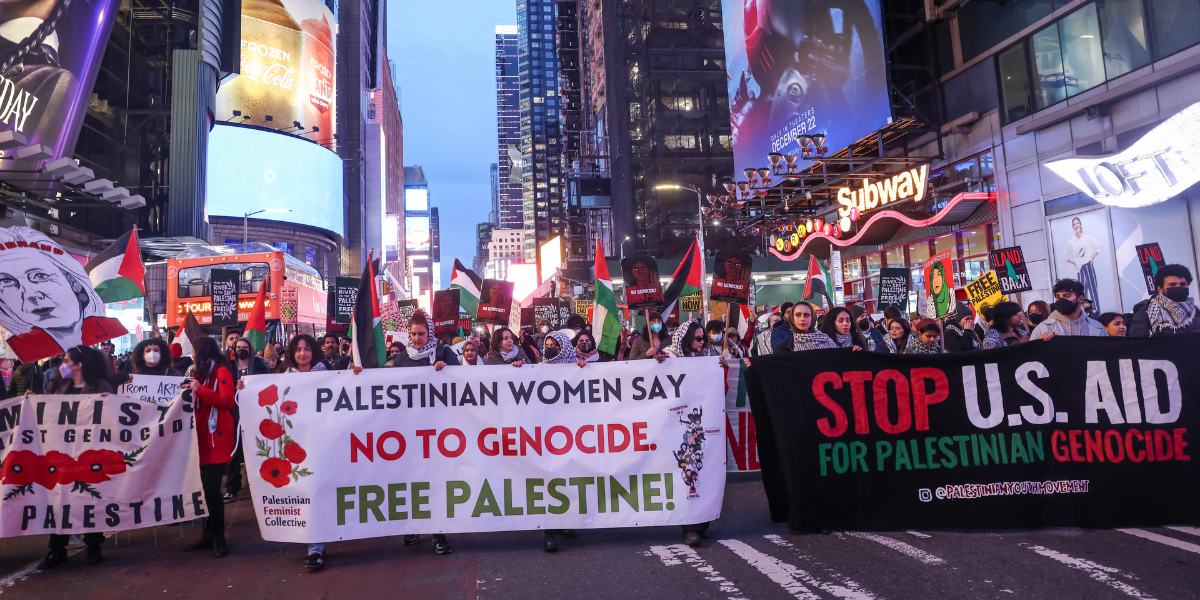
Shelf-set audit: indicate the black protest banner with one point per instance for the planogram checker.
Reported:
(642, 287)
(547, 308)
(342, 298)
(1150, 256)
(527, 320)
(224, 296)
(893, 288)
(731, 277)
(1090, 432)
(445, 314)
(407, 308)
(495, 302)
(1009, 265)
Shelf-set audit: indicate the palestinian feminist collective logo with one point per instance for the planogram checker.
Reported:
(283, 455)
(690, 455)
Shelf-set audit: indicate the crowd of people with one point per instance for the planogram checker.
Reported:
(213, 371)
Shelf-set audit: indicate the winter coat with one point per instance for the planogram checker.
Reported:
(1140, 327)
(1058, 324)
(217, 391)
(441, 353)
(958, 340)
(876, 337)
(22, 379)
(63, 386)
(495, 358)
(257, 366)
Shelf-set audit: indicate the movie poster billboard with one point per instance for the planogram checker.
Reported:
(642, 287)
(45, 84)
(731, 277)
(795, 70)
(287, 67)
(445, 314)
(495, 302)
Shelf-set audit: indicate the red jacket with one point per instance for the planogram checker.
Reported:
(217, 391)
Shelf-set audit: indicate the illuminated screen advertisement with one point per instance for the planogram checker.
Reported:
(416, 234)
(44, 94)
(416, 199)
(251, 170)
(287, 67)
(794, 69)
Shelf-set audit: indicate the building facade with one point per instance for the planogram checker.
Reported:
(541, 143)
(507, 247)
(508, 203)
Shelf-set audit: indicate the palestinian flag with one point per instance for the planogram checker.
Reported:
(117, 272)
(686, 280)
(256, 326)
(469, 283)
(367, 345)
(744, 323)
(818, 281)
(606, 328)
(190, 330)
(735, 384)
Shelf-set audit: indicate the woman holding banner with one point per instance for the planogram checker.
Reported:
(801, 319)
(557, 350)
(899, 334)
(839, 326)
(153, 357)
(585, 346)
(1005, 326)
(505, 350)
(212, 386)
(470, 354)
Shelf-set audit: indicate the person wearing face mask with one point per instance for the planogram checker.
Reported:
(960, 335)
(1171, 310)
(862, 322)
(153, 357)
(1068, 317)
(585, 347)
(244, 363)
(1035, 313)
(213, 391)
(539, 335)
(652, 341)
(558, 350)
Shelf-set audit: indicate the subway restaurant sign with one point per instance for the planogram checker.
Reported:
(338, 456)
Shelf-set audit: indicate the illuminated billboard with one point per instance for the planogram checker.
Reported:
(251, 170)
(416, 234)
(795, 70)
(45, 85)
(287, 67)
(416, 199)
(551, 258)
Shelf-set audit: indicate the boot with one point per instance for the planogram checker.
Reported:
(551, 543)
(440, 545)
(205, 541)
(55, 557)
(220, 548)
(569, 533)
(94, 556)
(410, 539)
(692, 539)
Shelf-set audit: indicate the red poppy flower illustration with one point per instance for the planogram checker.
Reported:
(269, 396)
(288, 408)
(294, 453)
(270, 429)
(95, 466)
(21, 467)
(56, 468)
(276, 471)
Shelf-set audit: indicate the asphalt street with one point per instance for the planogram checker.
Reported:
(745, 557)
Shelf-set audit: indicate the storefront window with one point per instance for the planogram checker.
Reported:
(918, 253)
(994, 228)
(873, 263)
(986, 168)
(973, 241)
(874, 287)
(851, 268)
(918, 283)
(943, 243)
(1123, 35)
(1014, 84)
(894, 257)
(1176, 25)
(1050, 87)
(1083, 61)
(965, 169)
(972, 269)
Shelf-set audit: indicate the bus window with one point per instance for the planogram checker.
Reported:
(194, 281)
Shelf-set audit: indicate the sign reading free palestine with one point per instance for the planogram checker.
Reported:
(492, 448)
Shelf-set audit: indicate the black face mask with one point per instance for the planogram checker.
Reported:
(550, 353)
(864, 325)
(1177, 294)
(585, 347)
(1064, 306)
(1036, 318)
(243, 354)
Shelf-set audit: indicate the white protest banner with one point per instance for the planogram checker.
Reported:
(152, 388)
(337, 456)
(81, 464)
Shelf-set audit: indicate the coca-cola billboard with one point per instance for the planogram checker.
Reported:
(287, 68)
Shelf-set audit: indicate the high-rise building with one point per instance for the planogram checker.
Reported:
(419, 234)
(494, 177)
(541, 147)
(483, 235)
(508, 202)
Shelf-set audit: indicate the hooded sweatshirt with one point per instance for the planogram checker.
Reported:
(1058, 324)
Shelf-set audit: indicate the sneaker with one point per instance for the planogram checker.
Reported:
(53, 559)
(313, 562)
(440, 545)
(692, 539)
(410, 539)
(230, 498)
(94, 556)
(551, 542)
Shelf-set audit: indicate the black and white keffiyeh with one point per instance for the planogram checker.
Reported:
(811, 341)
(992, 339)
(1166, 313)
(566, 354)
(843, 340)
(916, 346)
(422, 353)
(511, 354)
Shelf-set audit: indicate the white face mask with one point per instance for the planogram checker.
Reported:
(64, 370)
(152, 357)
(545, 329)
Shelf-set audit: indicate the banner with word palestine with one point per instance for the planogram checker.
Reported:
(83, 464)
(1091, 432)
(399, 451)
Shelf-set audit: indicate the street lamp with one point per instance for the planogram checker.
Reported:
(246, 220)
(699, 202)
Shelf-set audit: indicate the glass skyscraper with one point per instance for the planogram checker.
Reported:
(541, 147)
(509, 204)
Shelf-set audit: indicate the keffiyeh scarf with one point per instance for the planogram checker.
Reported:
(1165, 313)
(811, 341)
(511, 354)
(992, 339)
(843, 340)
(916, 346)
(566, 354)
(592, 356)
(422, 353)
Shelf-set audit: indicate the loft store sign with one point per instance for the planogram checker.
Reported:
(905, 185)
(1155, 168)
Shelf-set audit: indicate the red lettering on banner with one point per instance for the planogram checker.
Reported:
(858, 397)
(494, 449)
(357, 446)
(1119, 454)
(534, 442)
(508, 437)
(550, 440)
(903, 412)
(639, 438)
(579, 439)
(737, 443)
(384, 454)
(613, 446)
(1138, 456)
(1115, 446)
(922, 397)
(1180, 444)
(1055, 447)
(1076, 445)
(839, 415)
(425, 434)
(1162, 445)
(1093, 447)
(462, 444)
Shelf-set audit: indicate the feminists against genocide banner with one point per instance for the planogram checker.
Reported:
(83, 464)
(1092, 432)
(399, 451)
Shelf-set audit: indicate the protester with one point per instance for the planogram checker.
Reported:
(899, 334)
(470, 355)
(1035, 313)
(729, 346)
(505, 350)
(1169, 311)
(688, 341)
(927, 340)
(181, 362)
(84, 370)
(959, 335)
(334, 360)
(1068, 317)
(839, 326)
(245, 363)
(529, 345)
(862, 321)
(575, 324)
(300, 356)
(271, 355)
(23, 378)
(652, 341)
(558, 350)
(153, 357)
(212, 385)
(782, 332)
(1004, 327)
(804, 335)
(585, 346)
(1114, 324)
(543, 329)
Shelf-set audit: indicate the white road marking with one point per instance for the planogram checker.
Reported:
(1096, 571)
(918, 534)
(899, 546)
(1190, 530)
(1162, 539)
(845, 581)
(669, 555)
(792, 578)
(30, 569)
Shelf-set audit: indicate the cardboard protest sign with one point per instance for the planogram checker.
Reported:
(1009, 265)
(731, 277)
(939, 286)
(342, 297)
(223, 289)
(528, 321)
(495, 302)
(406, 308)
(893, 288)
(985, 292)
(156, 389)
(71, 314)
(642, 287)
(547, 308)
(1150, 256)
(445, 314)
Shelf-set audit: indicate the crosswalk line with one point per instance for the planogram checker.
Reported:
(899, 546)
(918, 534)
(1098, 572)
(1162, 539)
(678, 553)
(845, 581)
(793, 579)
(1188, 530)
